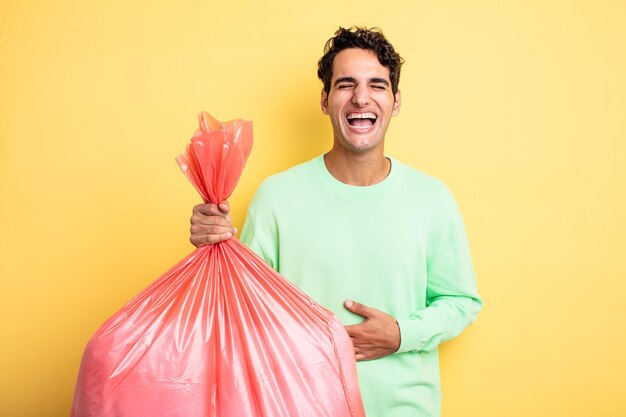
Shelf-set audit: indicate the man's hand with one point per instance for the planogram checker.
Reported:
(377, 336)
(210, 223)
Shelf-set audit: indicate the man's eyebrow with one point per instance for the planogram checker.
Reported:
(379, 81)
(345, 80)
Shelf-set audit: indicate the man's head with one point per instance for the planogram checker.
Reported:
(363, 38)
(360, 71)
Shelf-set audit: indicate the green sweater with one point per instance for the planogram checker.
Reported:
(398, 246)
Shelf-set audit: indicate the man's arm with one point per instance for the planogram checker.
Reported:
(452, 301)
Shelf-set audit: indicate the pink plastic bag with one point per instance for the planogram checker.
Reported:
(221, 333)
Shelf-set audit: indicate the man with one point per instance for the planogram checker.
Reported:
(380, 244)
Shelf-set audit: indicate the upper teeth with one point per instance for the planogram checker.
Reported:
(361, 116)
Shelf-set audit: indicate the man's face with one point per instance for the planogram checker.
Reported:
(360, 102)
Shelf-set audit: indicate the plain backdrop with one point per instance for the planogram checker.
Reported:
(519, 106)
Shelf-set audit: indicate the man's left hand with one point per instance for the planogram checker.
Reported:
(377, 336)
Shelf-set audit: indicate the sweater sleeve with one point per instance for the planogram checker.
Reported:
(452, 300)
(261, 236)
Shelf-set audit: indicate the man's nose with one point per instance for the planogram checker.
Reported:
(361, 95)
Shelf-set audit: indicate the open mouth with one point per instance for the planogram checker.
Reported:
(361, 120)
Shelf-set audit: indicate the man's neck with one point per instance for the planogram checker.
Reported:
(357, 169)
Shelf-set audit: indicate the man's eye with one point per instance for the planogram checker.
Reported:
(378, 86)
(344, 86)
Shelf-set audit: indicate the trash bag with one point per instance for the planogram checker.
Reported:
(221, 333)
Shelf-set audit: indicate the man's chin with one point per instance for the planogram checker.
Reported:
(361, 147)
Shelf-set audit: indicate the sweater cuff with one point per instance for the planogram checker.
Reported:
(413, 335)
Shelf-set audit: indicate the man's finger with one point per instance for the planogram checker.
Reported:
(202, 209)
(201, 220)
(203, 240)
(353, 331)
(211, 210)
(360, 309)
(211, 239)
(210, 229)
(224, 206)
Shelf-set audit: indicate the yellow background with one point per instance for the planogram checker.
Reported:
(519, 106)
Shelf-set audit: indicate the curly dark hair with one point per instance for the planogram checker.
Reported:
(360, 37)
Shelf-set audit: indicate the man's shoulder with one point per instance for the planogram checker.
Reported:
(419, 181)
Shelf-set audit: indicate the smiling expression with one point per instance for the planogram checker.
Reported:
(360, 102)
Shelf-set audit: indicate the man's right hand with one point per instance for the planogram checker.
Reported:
(210, 223)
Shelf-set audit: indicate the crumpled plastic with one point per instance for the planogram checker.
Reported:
(220, 333)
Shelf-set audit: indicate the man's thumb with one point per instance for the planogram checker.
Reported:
(356, 308)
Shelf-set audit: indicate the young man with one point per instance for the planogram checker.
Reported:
(380, 244)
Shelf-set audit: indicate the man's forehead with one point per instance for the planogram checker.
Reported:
(358, 64)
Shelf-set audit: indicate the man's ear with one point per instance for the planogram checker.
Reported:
(324, 101)
(396, 104)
